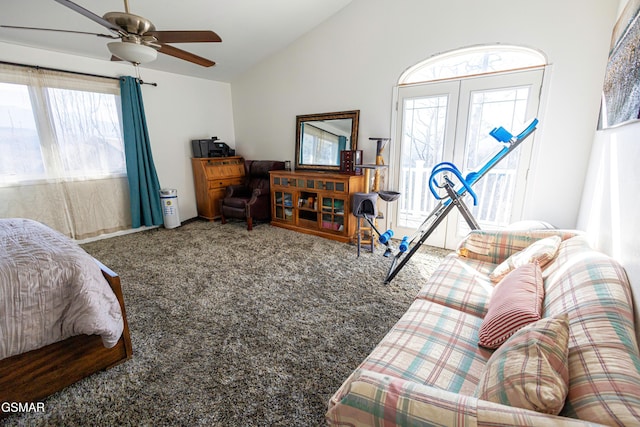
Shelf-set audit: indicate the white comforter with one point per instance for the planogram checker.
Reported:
(50, 289)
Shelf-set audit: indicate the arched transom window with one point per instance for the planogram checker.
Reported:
(473, 61)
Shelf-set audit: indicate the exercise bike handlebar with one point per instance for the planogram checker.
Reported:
(449, 167)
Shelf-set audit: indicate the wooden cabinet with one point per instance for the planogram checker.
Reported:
(211, 176)
(316, 203)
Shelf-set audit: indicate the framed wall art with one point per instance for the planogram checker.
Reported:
(621, 90)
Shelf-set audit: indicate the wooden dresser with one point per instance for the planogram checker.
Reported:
(316, 203)
(211, 176)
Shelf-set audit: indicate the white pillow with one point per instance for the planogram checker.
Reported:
(542, 251)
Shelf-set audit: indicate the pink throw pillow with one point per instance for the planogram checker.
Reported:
(516, 301)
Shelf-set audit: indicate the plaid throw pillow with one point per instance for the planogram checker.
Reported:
(516, 301)
(531, 369)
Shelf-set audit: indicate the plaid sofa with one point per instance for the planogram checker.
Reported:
(426, 369)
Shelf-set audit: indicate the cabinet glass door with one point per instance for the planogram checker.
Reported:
(332, 213)
(283, 205)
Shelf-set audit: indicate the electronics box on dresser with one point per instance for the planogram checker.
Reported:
(316, 203)
(211, 176)
(211, 148)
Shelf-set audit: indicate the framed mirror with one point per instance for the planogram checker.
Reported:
(321, 137)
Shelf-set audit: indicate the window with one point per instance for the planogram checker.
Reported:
(55, 126)
(473, 61)
(62, 161)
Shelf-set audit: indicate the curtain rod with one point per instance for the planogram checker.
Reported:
(37, 67)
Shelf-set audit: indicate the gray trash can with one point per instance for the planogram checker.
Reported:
(170, 213)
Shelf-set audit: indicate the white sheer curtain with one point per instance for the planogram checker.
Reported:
(62, 159)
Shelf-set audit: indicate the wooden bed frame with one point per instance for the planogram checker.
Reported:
(32, 376)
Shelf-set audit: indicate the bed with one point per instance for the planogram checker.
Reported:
(81, 334)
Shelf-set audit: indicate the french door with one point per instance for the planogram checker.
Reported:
(450, 121)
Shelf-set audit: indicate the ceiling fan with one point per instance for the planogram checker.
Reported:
(139, 40)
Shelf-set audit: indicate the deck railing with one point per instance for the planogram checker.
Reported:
(494, 191)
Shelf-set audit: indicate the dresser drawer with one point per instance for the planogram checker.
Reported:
(222, 183)
(216, 171)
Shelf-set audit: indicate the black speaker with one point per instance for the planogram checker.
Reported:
(199, 147)
(202, 147)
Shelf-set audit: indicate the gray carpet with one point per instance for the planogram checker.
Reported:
(236, 328)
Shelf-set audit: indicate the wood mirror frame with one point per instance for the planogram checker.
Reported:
(323, 122)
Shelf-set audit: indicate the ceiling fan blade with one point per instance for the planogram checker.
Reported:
(87, 13)
(185, 36)
(183, 54)
(115, 58)
(14, 27)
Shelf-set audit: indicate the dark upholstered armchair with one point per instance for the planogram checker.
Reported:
(251, 199)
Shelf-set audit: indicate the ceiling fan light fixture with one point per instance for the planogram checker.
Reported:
(133, 52)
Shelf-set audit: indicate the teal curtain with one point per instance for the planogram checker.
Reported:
(342, 145)
(144, 187)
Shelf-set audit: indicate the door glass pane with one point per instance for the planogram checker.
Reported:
(423, 136)
(507, 108)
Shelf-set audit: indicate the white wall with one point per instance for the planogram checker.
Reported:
(610, 204)
(354, 59)
(179, 109)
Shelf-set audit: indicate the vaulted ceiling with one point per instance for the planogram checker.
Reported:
(251, 30)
